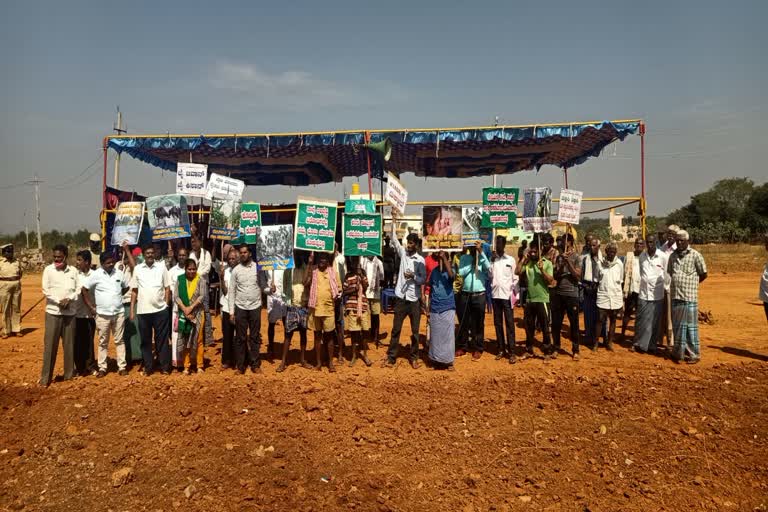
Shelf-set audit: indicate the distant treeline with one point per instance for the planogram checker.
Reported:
(50, 238)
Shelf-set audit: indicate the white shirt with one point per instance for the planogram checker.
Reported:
(341, 266)
(81, 309)
(374, 271)
(409, 289)
(173, 275)
(653, 275)
(503, 278)
(668, 249)
(610, 293)
(635, 286)
(151, 283)
(764, 285)
(107, 290)
(223, 302)
(204, 263)
(58, 285)
(278, 297)
(126, 270)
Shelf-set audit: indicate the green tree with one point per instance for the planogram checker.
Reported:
(755, 215)
(726, 200)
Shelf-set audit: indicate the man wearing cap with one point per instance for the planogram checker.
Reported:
(94, 243)
(10, 293)
(687, 269)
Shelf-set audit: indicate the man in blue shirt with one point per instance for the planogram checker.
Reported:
(411, 276)
(473, 268)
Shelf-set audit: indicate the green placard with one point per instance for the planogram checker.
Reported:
(250, 220)
(500, 207)
(362, 235)
(360, 206)
(315, 225)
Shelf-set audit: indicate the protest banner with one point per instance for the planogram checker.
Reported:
(396, 194)
(537, 209)
(360, 206)
(128, 220)
(250, 220)
(361, 235)
(274, 247)
(224, 187)
(569, 208)
(471, 227)
(168, 217)
(500, 207)
(442, 227)
(191, 179)
(224, 223)
(315, 228)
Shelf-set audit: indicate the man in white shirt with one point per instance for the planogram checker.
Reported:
(374, 271)
(244, 296)
(650, 301)
(85, 326)
(102, 294)
(151, 294)
(204, 263)
(610, 296)
(503, 289)
(668, 247)
(177, 353)
(227, 328)
(275, 289)
(60, 291)
(631, 284)
(410, 278)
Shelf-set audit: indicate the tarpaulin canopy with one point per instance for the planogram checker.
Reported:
(320, 157)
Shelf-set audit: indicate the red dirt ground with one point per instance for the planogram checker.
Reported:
(614, 431)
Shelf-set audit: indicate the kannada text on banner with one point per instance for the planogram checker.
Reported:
(442, 228)
(250, 220)
(500, 207)
(274, 247)
(362, 235)
(315, 228)
(569, 208)
(168, 217)
(224, 223)
(128, 220)
(191, 179)
(396, 194)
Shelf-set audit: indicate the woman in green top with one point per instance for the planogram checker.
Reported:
(192, 301)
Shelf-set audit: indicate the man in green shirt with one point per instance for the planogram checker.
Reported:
(538, 272)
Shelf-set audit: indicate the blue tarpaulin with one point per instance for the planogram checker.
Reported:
(308, 159)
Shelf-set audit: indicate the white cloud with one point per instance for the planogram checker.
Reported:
(298, 89)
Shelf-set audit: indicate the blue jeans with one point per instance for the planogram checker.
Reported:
(161, 325)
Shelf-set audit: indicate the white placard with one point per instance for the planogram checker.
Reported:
(396, 194)
(191, 179)
(569, 209)
(225, 188)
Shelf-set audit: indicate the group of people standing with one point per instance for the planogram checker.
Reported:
(166, 303)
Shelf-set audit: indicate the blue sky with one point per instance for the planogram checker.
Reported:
(695, 71)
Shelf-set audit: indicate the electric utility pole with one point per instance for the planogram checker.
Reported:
(118, 128)
(36, 182)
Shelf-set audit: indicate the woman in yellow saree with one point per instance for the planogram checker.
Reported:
(191, 299)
